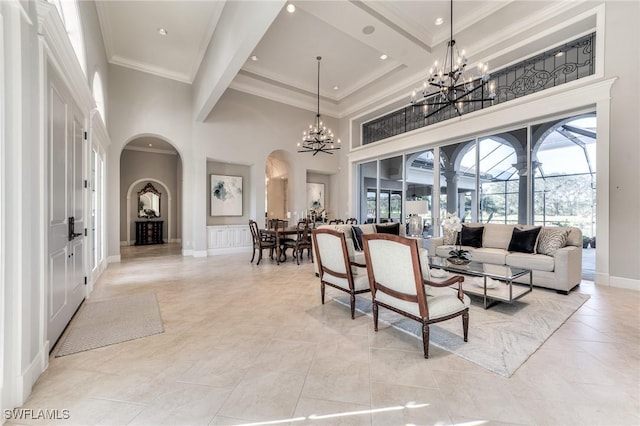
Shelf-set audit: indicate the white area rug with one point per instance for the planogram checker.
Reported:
(502, 337)
(111, 321)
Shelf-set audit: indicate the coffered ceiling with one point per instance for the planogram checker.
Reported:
(351, 36)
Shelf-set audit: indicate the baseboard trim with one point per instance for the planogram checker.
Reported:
(199, 253)
(114, 259)
(626, 283)
(36, 368)
(228, 250)
(187, 252)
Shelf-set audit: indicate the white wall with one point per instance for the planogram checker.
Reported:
(146, 105)
(622, 44)
(245, 129)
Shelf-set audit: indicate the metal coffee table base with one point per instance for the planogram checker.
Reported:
(505, 290)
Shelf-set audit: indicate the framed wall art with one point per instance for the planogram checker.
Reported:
(226, 195)
(315, 197)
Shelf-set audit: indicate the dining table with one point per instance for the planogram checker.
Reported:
(278, 234)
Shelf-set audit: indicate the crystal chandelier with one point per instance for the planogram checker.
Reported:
(448, 86)
(318, 138)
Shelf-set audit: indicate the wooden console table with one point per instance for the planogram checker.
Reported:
(149, 232)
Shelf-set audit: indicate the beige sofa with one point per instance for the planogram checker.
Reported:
(562, 271)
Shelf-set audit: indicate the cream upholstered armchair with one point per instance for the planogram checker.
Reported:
(337, 268)
(397, 275)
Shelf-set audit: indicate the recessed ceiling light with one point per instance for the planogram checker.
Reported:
(150, 144)
(439, 21)
(559, 54)
(383, 56)
(254, 58)
(336, 87)
(369, 29)
(162, 31)
(291, 8)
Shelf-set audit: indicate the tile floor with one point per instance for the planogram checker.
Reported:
(253, 344)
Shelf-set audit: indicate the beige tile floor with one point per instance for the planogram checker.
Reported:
(246, 343)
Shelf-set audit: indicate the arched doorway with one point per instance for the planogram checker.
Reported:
(150, 162)
(277, 186)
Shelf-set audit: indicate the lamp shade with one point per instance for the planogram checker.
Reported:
(415, 207)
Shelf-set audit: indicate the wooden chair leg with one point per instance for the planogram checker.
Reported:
(254, 254)
(375, 316)
(425, 339)
(465, 325)
(259, 256)
(322, 291)
(353, 306)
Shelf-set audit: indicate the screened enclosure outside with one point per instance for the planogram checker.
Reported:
(564, 185)
(486, 179)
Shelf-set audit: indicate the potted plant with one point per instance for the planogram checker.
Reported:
(585, 241)
(452, 225)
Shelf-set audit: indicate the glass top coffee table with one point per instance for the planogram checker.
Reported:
(495, 283)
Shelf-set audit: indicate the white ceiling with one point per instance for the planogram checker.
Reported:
(286, 69)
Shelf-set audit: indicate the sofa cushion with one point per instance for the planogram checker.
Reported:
(497, 235)
(551, 240)
(357, 237)
(524, 240)
(471, 236)
(443, 251)
(388, 228)
(538, 262)
(489, 255)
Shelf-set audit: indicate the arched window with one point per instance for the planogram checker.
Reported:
(98, 95)
(68, 10)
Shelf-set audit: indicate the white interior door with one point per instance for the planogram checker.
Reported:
(66, 219)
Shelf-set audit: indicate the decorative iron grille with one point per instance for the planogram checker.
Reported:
(554, 67)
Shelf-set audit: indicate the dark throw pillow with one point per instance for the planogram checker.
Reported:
(356, 234)
(524, 240)
(393, 228)
(471, 236)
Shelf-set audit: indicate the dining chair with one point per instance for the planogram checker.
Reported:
(336, 222)
(261, 241)
(283, 241)
(351, 221)
(303, 240)
(395, 271)
(337, 266)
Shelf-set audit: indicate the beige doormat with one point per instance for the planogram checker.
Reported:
(501, 338)
(112, 321)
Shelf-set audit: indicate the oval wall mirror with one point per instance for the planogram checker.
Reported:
(148, 202)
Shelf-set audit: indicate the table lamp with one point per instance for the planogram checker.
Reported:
(414, 210)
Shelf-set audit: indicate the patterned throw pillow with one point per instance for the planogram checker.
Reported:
(357, 237)
(550, 240)
(450, 237)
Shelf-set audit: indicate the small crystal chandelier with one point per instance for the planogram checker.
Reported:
(318, 138)
(447, 85)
